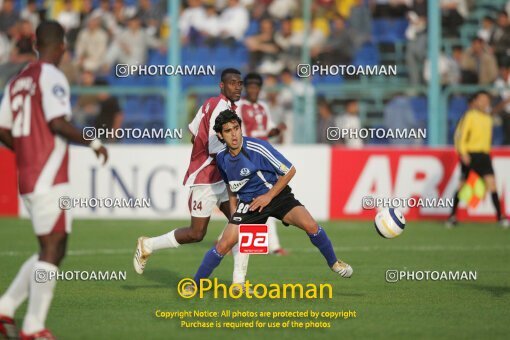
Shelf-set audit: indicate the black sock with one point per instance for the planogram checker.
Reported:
(495, 201)
(455, 204)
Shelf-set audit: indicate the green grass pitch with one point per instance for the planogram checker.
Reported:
(407, 309)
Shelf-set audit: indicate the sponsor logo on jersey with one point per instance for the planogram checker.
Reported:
(236, 185)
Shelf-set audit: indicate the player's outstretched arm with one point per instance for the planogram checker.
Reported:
(65, 129)
(6, 138)
(263, 200)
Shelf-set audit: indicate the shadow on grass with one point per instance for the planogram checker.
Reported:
(164, 277)
(495, 291)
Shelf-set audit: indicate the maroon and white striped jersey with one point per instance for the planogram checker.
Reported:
(38, 94)
(202, 168)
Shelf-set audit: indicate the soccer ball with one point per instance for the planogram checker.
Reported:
(389, 223)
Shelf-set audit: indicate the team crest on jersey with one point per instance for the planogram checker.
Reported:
(235, 186)
(59, 91)
(284, 168)
(245, 172)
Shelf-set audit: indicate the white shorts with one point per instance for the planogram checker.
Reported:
(203, 198)
(45, 212)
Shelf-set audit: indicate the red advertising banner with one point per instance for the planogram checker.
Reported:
(420, 182)
(8, 184)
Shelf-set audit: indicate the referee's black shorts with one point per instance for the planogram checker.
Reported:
(277, 208)
(480, 163)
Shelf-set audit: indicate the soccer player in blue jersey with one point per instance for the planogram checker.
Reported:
(257, 176)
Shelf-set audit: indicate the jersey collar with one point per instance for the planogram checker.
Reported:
(233, 106)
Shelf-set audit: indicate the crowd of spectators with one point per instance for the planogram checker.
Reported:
(102, 33)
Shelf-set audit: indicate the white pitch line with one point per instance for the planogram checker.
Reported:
(93, 252)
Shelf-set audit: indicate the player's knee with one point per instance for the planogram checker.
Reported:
(197, 235)
(223, 247)
(311, 227)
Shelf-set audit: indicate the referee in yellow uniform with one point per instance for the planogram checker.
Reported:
(473, 138)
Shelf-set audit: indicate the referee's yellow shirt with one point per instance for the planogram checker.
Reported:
(474, 133)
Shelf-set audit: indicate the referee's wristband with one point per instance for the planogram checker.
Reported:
(96, 144)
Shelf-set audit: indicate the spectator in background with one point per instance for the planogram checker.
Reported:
(122, 13)
(234, 22)
(281, 9)
(283, 39)
(416, 34)
(151, 16)
(86, 108)
(398, 114)
(360, 23)
(502, 84)
(390, 8)
(5, 48)
(91, 45)
(263, 49)
(488, 30)
(453, 13)
(325, 120)
(69, 68)
(8, 17)
(31, 13)
(110, 114)
(191, 21)
(457, 53)
(478, 63)
(107, 18)
(132, 44)
(68, 17)
(449, 70)
(350, 120)
(338, 47)
(22, 52)
(501, 41)
(210, 26)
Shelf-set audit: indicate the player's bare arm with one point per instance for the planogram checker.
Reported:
(262, 201)
(62, 127)
(6, 138)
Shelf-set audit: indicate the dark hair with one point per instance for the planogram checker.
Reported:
(488, 18)
(49, 33)
(227, 71)
(253, 78)
(225, 117)
(475, 95)
(503, 13)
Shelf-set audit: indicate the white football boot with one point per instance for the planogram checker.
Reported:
(342, 268)
(141, 256)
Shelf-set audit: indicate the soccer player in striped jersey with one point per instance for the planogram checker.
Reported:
(207, 189)
(34, 123)
(257, 177)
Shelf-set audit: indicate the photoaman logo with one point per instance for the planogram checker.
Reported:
(188, 288)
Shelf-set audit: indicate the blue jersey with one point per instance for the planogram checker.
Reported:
(254, 170)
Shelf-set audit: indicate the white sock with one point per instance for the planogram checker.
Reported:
(274, 241)
(161, 242)
(240, 265)
(17, 292)
(41, 294)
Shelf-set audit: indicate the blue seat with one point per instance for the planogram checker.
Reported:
(368, 54)
(456, 107)
(253, 28)
(389, 30)
(498, 135)
(420, 108)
